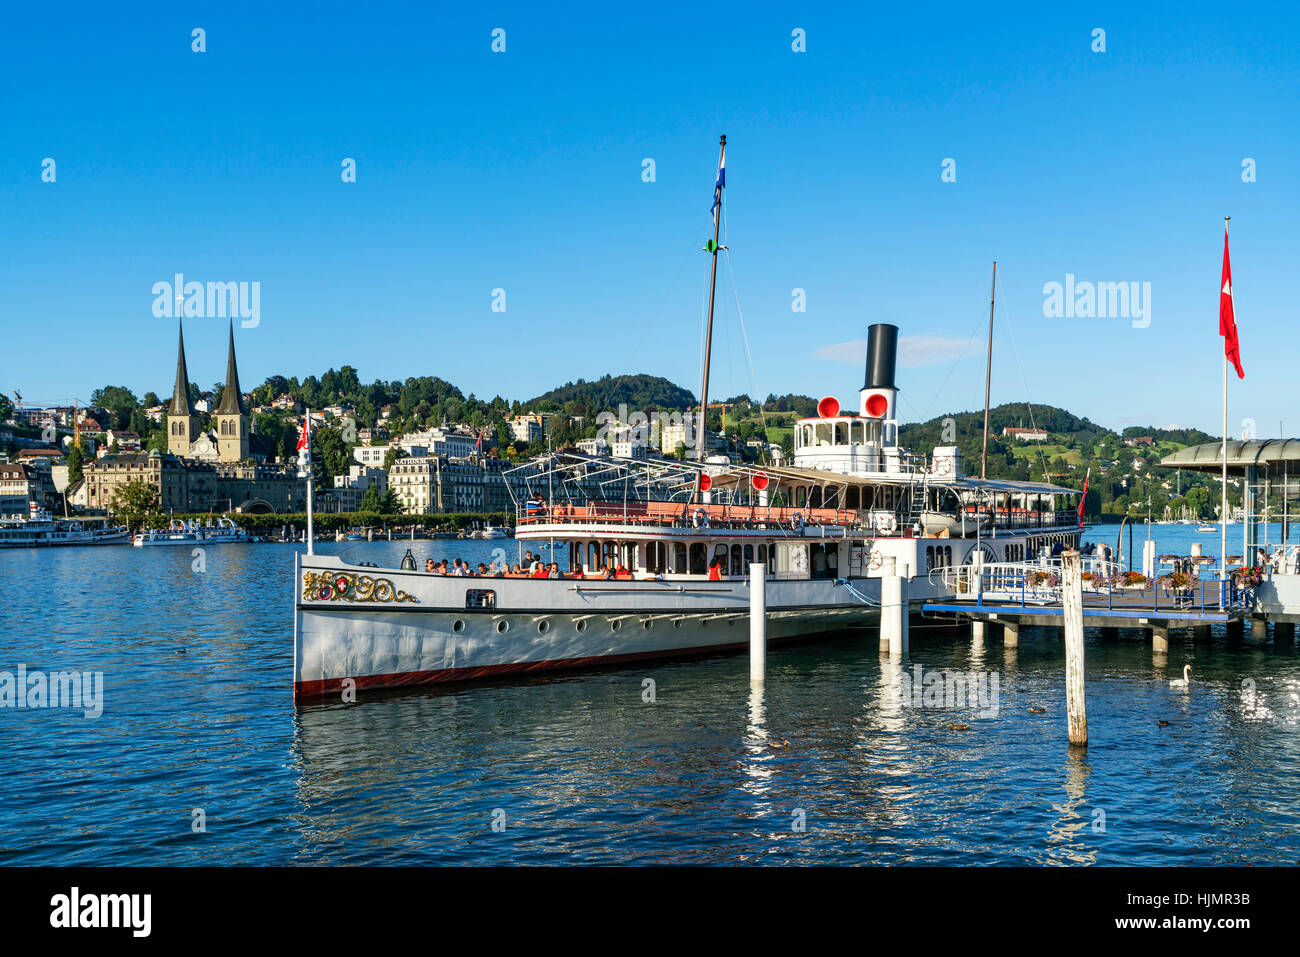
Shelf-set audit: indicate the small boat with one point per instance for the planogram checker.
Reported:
(1208, 528)
(487, 531)
(224, 531)
(937, 523)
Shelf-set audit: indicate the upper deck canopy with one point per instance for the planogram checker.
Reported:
(1241, 455)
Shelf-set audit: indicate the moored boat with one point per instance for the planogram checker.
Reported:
(39, 529)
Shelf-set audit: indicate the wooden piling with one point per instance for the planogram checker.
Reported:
(1258, 631)
(893, 614)
(757, 622)
(1072, 614)
(1160, 638)
(1010, 634)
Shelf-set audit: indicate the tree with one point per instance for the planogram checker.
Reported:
(75, 460)
(134, 502)
(118, 401)
(370, 501)
(389, 505)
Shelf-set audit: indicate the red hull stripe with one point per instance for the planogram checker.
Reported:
(329, 687)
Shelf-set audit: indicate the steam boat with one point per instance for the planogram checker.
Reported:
(651, 559)
(678, 540)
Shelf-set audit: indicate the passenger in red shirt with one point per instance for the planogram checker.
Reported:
(715, 571)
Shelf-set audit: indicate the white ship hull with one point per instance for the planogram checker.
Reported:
(140, 541)
(413, 628)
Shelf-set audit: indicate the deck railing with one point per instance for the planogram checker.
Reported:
(1105, 585)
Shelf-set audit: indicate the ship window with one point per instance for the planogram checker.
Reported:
(801, 496)
(853, 498)
(762, 553)
(629, 556)
(823, 433)
(677, 559)
(480, 598)
(699, 558)
(841, 433)
(655, 557)
(749, 558)
(593, 556)
(610, 555)
(815, 498)
(575, 556)
(929, 557)
(736, 568)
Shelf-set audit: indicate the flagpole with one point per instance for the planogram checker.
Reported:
(1223, 501)
(713, 285)
(311, 527)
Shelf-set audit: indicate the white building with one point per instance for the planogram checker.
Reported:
(371, 455)
(527, 428)
(351, 488)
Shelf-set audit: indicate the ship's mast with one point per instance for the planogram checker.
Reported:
(712, 249)
(988, 376)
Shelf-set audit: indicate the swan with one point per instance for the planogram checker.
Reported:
(1185, 680)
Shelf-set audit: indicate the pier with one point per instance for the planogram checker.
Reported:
(1020, 594)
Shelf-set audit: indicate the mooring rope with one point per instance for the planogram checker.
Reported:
(857, 594)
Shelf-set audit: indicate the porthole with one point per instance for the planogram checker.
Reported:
(615, 625)
(582, 626)
(503, 626)
(543, 627)
(677, 623)
(646, 623)
(458, 625)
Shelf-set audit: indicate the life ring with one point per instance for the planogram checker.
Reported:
(877, 559)
(796, 522)
(701, 518)
(887, 523)
(942, 467)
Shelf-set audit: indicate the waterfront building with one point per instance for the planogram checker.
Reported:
(15, 489)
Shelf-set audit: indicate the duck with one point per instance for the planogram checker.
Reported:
(1162, 724)
(958, 727)
(1185, 681)
(1033, 710)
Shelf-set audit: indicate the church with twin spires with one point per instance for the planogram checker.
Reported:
(227, 440)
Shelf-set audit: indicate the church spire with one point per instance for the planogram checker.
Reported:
(232, 400)
(181, 404)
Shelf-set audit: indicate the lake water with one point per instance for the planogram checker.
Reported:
(824, 766)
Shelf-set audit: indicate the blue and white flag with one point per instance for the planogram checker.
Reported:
(722, 181)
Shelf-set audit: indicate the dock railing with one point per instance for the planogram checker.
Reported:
(1105, 585)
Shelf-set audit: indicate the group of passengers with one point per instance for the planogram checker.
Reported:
(531, 567)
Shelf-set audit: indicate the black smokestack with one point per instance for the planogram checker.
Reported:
(882, 354)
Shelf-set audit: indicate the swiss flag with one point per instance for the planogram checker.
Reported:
(1227, 316)
(303, 440)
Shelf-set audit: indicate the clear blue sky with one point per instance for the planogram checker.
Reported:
(523, 171)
